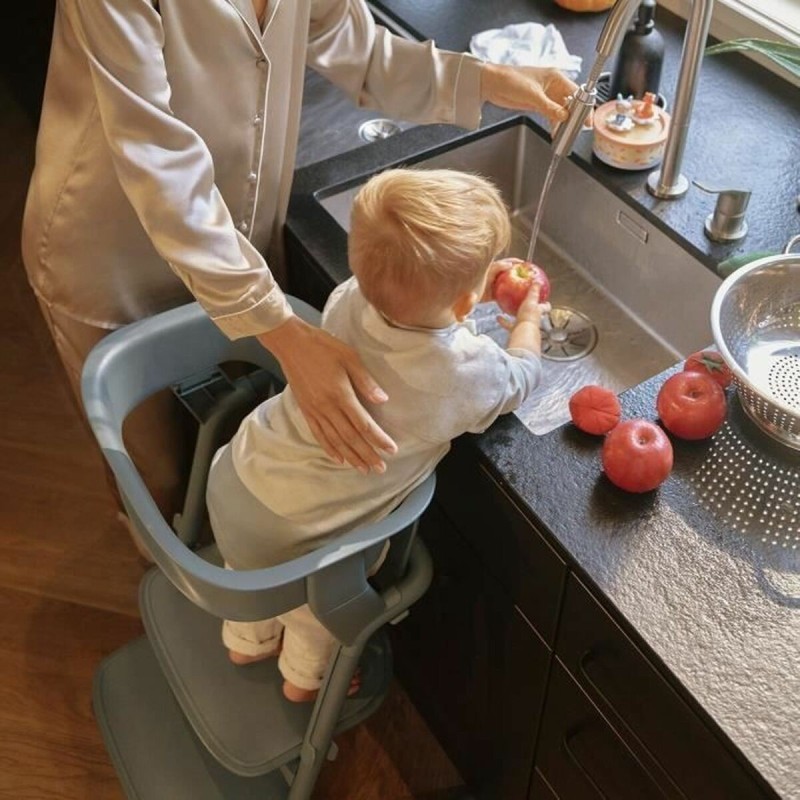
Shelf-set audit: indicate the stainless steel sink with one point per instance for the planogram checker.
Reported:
(627, 300)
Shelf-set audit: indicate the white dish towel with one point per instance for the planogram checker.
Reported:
(527, 44)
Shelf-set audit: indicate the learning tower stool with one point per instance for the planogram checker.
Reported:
(181, 722)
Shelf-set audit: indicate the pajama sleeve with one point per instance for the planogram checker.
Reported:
(166, 170)
(407, 80)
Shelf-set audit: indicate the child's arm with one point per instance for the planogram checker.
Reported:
(524, 333)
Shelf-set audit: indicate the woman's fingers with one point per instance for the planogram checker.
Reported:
(365, 386)
(338, 446)
(545, 90)
(322, 372)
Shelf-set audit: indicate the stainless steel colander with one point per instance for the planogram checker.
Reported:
(755, 318)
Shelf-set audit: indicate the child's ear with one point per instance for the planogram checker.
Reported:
(464, 305)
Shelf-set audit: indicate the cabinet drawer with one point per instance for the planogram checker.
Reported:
(579, 756)
(643, 707)
(506, 541)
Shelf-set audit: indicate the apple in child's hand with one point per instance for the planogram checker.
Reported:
(637, 455)
(511, 286)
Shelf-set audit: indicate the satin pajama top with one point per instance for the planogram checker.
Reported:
(167, 142)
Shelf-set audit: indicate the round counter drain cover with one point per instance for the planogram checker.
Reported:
(374, 129)
(567, 335)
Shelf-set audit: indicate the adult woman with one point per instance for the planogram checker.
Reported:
(167, 139)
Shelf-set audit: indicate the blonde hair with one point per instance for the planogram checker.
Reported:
(419, 239)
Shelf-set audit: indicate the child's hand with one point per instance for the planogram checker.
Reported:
(523, 332)
(530, 309)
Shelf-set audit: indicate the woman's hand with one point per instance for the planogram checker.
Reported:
(325, 375)
(541, 89)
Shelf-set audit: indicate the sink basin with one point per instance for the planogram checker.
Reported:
(628, 301)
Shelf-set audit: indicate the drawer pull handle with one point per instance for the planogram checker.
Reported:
(565, 743)
(569, 737)
(583, 663)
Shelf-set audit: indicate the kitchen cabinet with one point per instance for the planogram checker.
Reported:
(25, 51)
(531, 686)
(474, 666)
(664, 734)
(579, 754)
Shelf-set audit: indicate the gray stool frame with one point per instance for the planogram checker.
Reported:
(140, 359)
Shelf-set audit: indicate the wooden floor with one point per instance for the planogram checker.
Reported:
(69, 575)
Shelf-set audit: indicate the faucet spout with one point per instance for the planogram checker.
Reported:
(583, 100)
(668, 183)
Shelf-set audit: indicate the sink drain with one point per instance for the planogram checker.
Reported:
(374, 129)
(567, 335)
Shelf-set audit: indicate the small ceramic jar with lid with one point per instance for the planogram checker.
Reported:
(630, 134)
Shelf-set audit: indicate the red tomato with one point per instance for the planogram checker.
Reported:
(691, 405)
(711, 363)
(637, 455)
(594, 409)
(511, 285)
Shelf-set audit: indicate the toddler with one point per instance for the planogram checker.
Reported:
(422, 249)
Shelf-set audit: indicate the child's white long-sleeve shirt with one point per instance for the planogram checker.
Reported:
(441, 383)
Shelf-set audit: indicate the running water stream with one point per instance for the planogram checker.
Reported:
(537, 220)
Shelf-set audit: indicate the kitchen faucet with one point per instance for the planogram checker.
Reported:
(667, 182)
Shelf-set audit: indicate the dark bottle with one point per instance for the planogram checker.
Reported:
(638, 67)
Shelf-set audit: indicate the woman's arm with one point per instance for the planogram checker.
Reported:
(167, 174)
(416, 81)
(165, 168)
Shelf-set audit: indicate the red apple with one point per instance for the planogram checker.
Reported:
(594, 409)
(691, 405)
(637, 455)
(511, 286)
(710, 362)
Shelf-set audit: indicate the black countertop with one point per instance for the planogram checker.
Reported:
(744, 133)
(702, 571)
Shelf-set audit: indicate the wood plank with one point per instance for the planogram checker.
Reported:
(49, 651)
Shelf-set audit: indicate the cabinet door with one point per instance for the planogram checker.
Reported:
(579, 756)
(540, 788)
(474, 667)
(306, 279)
(647, 712)
(503, 536)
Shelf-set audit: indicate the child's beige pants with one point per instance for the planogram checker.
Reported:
(307, 645)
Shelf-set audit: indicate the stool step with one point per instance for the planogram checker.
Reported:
(239, 713)
(153, 748)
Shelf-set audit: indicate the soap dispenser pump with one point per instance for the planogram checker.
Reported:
(641, 54)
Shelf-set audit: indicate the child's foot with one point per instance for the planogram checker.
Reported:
(242, 660)
(297, 695)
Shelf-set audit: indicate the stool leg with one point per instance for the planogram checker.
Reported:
(214, 431)
(327, 709)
